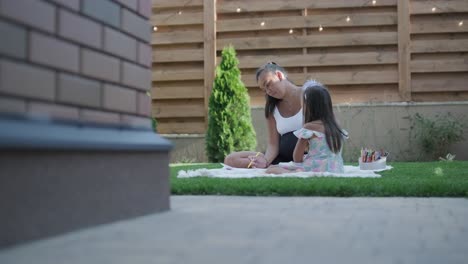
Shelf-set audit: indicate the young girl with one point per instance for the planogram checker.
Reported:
(320, 131)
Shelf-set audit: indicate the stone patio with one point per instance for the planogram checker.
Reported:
(223, 229)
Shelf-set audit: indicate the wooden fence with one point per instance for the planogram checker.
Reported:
(363, 50)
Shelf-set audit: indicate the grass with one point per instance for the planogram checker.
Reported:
(409, 179)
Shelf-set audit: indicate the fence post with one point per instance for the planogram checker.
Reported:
(404, 57)
(209, 46)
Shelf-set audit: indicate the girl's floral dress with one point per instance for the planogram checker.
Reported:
(319, 158)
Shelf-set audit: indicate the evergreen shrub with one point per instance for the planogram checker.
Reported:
(229, 120)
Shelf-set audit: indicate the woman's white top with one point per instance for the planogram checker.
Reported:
(287, 124)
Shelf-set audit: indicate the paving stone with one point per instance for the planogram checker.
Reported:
(15, 44)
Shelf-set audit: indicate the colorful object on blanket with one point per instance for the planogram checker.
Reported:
(252, 161)
(372, 159)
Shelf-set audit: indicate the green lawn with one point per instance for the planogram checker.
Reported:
(420, 179)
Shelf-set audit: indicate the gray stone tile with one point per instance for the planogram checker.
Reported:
(101, 66)
(12, 105)
(103, 10)
(132, 4)
(119, 99)
(51, 51)
(25, 80)
(136, 76)
(145, 54)
(37, 14)
(144, 8)
(120, 44)
(79, 91)
(80, 29)
(15, 43)
(73, 4)
(136, 25)
(99, 117)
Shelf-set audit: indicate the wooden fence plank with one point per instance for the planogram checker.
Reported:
(181, 108)
(325, 59)
(161, 4)
(160, 55)
(275, 5)
(440, 97)
(177, 75)
(209, 10)
(437, 25)
(178, 92)
(336, 78)
(315, 21)
(192, 18)
(177, 37)
(346, 94)
(445, 45)
(442, 82)
(442, 6)
(335, 40)
(365, 94)
(452, 65)
(181, 127)
(404, 74)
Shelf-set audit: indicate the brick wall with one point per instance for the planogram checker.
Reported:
(76, 60)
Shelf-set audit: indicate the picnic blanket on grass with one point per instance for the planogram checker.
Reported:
(229, 172)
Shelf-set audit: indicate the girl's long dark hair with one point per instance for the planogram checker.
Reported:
(317, 105)
(270, 102)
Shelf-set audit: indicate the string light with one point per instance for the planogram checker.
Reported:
(348, 19)
(434, 9)
(262, 23)
(320, 28)
(291, 31)
(238, 10)
(460, 23)
(180, 12)
(374, 2)
(155, 28)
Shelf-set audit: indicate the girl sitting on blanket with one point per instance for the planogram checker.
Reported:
(320, 132)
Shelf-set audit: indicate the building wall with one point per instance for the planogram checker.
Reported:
(77, 148)
(84, 61)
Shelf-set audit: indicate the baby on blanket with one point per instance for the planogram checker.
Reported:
(320, 132)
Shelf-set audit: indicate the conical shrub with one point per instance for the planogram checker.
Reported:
(229, 119)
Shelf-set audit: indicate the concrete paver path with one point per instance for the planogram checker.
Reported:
(223, 229)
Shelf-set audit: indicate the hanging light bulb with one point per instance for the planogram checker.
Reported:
(348, 19)
(434, 9)
(374, 2)
(460, 23)
(155, 28)
(238, 10)
(320, 28)
(291, 31)
(180, 12)
(262, 23)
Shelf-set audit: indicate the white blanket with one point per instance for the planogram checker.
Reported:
(229, 172)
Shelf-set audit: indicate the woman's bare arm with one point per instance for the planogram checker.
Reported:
(272, 145)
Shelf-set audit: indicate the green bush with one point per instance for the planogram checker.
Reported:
(436, 135)
(154, 124)
(229, 119)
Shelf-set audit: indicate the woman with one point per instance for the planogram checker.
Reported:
(283, 114)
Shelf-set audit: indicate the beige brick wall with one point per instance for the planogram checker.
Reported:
(77, 60)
